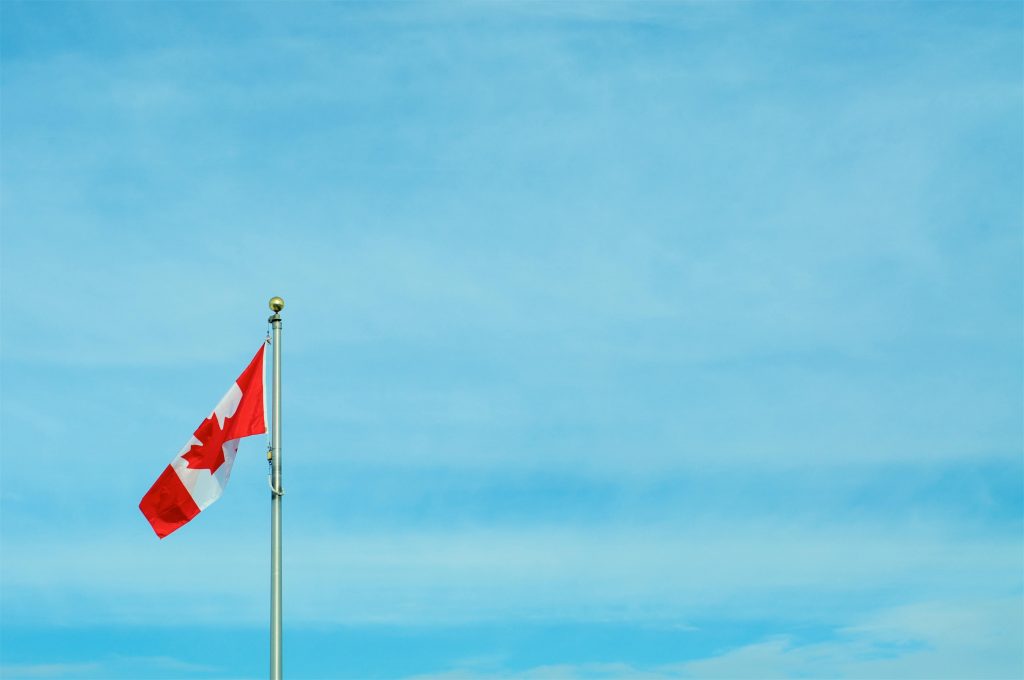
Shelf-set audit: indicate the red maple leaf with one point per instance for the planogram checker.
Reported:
(208, 454)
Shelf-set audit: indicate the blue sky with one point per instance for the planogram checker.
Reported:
(648, 340)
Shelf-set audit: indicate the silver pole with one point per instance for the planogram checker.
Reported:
(276, 662)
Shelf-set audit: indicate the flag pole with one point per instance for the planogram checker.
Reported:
(276, 665)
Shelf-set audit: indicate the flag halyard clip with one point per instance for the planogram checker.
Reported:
(270, 483)
(270, 475)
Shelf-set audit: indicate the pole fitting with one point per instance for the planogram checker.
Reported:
(274, 490)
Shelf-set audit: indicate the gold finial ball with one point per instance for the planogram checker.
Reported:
(276, 304)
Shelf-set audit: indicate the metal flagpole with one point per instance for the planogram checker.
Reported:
(276, 665)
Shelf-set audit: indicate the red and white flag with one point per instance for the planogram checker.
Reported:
(198, 474)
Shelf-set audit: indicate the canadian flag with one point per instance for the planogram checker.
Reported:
(198, 474)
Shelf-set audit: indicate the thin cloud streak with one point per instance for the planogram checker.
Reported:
(657, 574)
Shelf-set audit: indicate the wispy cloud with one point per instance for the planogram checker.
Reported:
(636, 312)
(928, 640)
(108, 667)
(951, 639)
(667, 574)
(49, 670)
